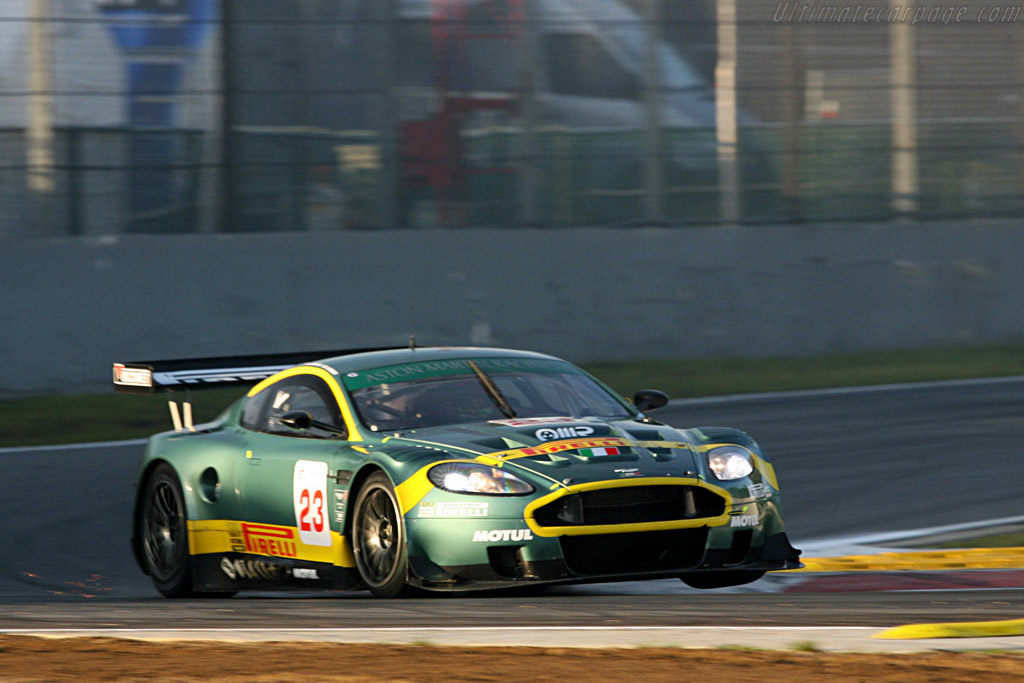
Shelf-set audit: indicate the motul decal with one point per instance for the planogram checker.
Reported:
(743, 521)
(496, 535)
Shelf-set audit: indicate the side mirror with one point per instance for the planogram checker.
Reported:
(650, 399)
(300, 421)
(297, 419)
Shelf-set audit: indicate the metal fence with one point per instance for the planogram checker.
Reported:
(264, 115)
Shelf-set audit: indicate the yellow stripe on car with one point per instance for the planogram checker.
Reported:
(219, 536)
(411, 491)
(434, 445)
(347, 414)
(663, 444)
(766, 470)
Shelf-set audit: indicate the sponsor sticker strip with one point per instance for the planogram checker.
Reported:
(309, 488)
(222, 536)
(251, 570)
(553, 433)
(264, 539)
(453, 510)
(453, 367)
(528, 421)
(601, 452)
(499, 535)
(743, 521)
(132, 377)
(605, 442)
(564, 445)
(759, 491)
(261, 570)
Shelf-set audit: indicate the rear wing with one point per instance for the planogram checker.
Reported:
(151, 377)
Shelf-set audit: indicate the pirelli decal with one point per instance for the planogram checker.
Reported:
(563, 445)
(216, 536)
(279, 541)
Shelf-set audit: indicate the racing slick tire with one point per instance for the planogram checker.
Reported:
(163, 533)
(378, 538)
(707, 580)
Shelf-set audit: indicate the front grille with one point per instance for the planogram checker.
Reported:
(647, 551)
(631, 505)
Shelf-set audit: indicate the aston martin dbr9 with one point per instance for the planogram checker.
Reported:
(443, 469)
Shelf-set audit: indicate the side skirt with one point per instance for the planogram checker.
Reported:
(241, 571)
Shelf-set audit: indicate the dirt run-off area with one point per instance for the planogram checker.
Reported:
(27, 658)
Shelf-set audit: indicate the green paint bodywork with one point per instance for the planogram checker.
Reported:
(253, 472)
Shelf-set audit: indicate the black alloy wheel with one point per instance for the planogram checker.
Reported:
(379, 538)
(163, 533)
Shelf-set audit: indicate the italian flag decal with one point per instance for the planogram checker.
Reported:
(598, 452)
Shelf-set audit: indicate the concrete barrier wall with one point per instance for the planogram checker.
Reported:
(70, 307)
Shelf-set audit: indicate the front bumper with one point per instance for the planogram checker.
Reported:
(528, 559)
(600, 531)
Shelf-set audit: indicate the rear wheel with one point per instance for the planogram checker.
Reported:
(163, 533)
(721, 579)
(378, 538)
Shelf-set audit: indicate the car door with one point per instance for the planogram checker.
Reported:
(290, 497)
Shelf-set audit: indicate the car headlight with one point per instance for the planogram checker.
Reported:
(730, 462)
(464, 477)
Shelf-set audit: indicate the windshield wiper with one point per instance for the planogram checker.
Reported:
(493, 391)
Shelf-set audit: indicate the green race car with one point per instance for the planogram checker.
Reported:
(444, 469)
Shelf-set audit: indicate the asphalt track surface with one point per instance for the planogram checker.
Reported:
(850, 463)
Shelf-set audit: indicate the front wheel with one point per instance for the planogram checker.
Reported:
(163, 533)
(378, 538)
(705, 580)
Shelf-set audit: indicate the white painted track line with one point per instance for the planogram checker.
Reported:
(840, 391)
(73, 446)
(823, 638)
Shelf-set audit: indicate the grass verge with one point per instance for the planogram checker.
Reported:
(721, 376)
(44, 420)
(104, 417)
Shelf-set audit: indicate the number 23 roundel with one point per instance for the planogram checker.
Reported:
(310, 496)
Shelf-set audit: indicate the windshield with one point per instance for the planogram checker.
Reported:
(430, 394)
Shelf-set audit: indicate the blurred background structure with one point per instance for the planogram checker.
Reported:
(200, 116)
(598, 179)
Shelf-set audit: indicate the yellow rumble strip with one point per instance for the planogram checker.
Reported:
(977, 629)
(934, 560)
